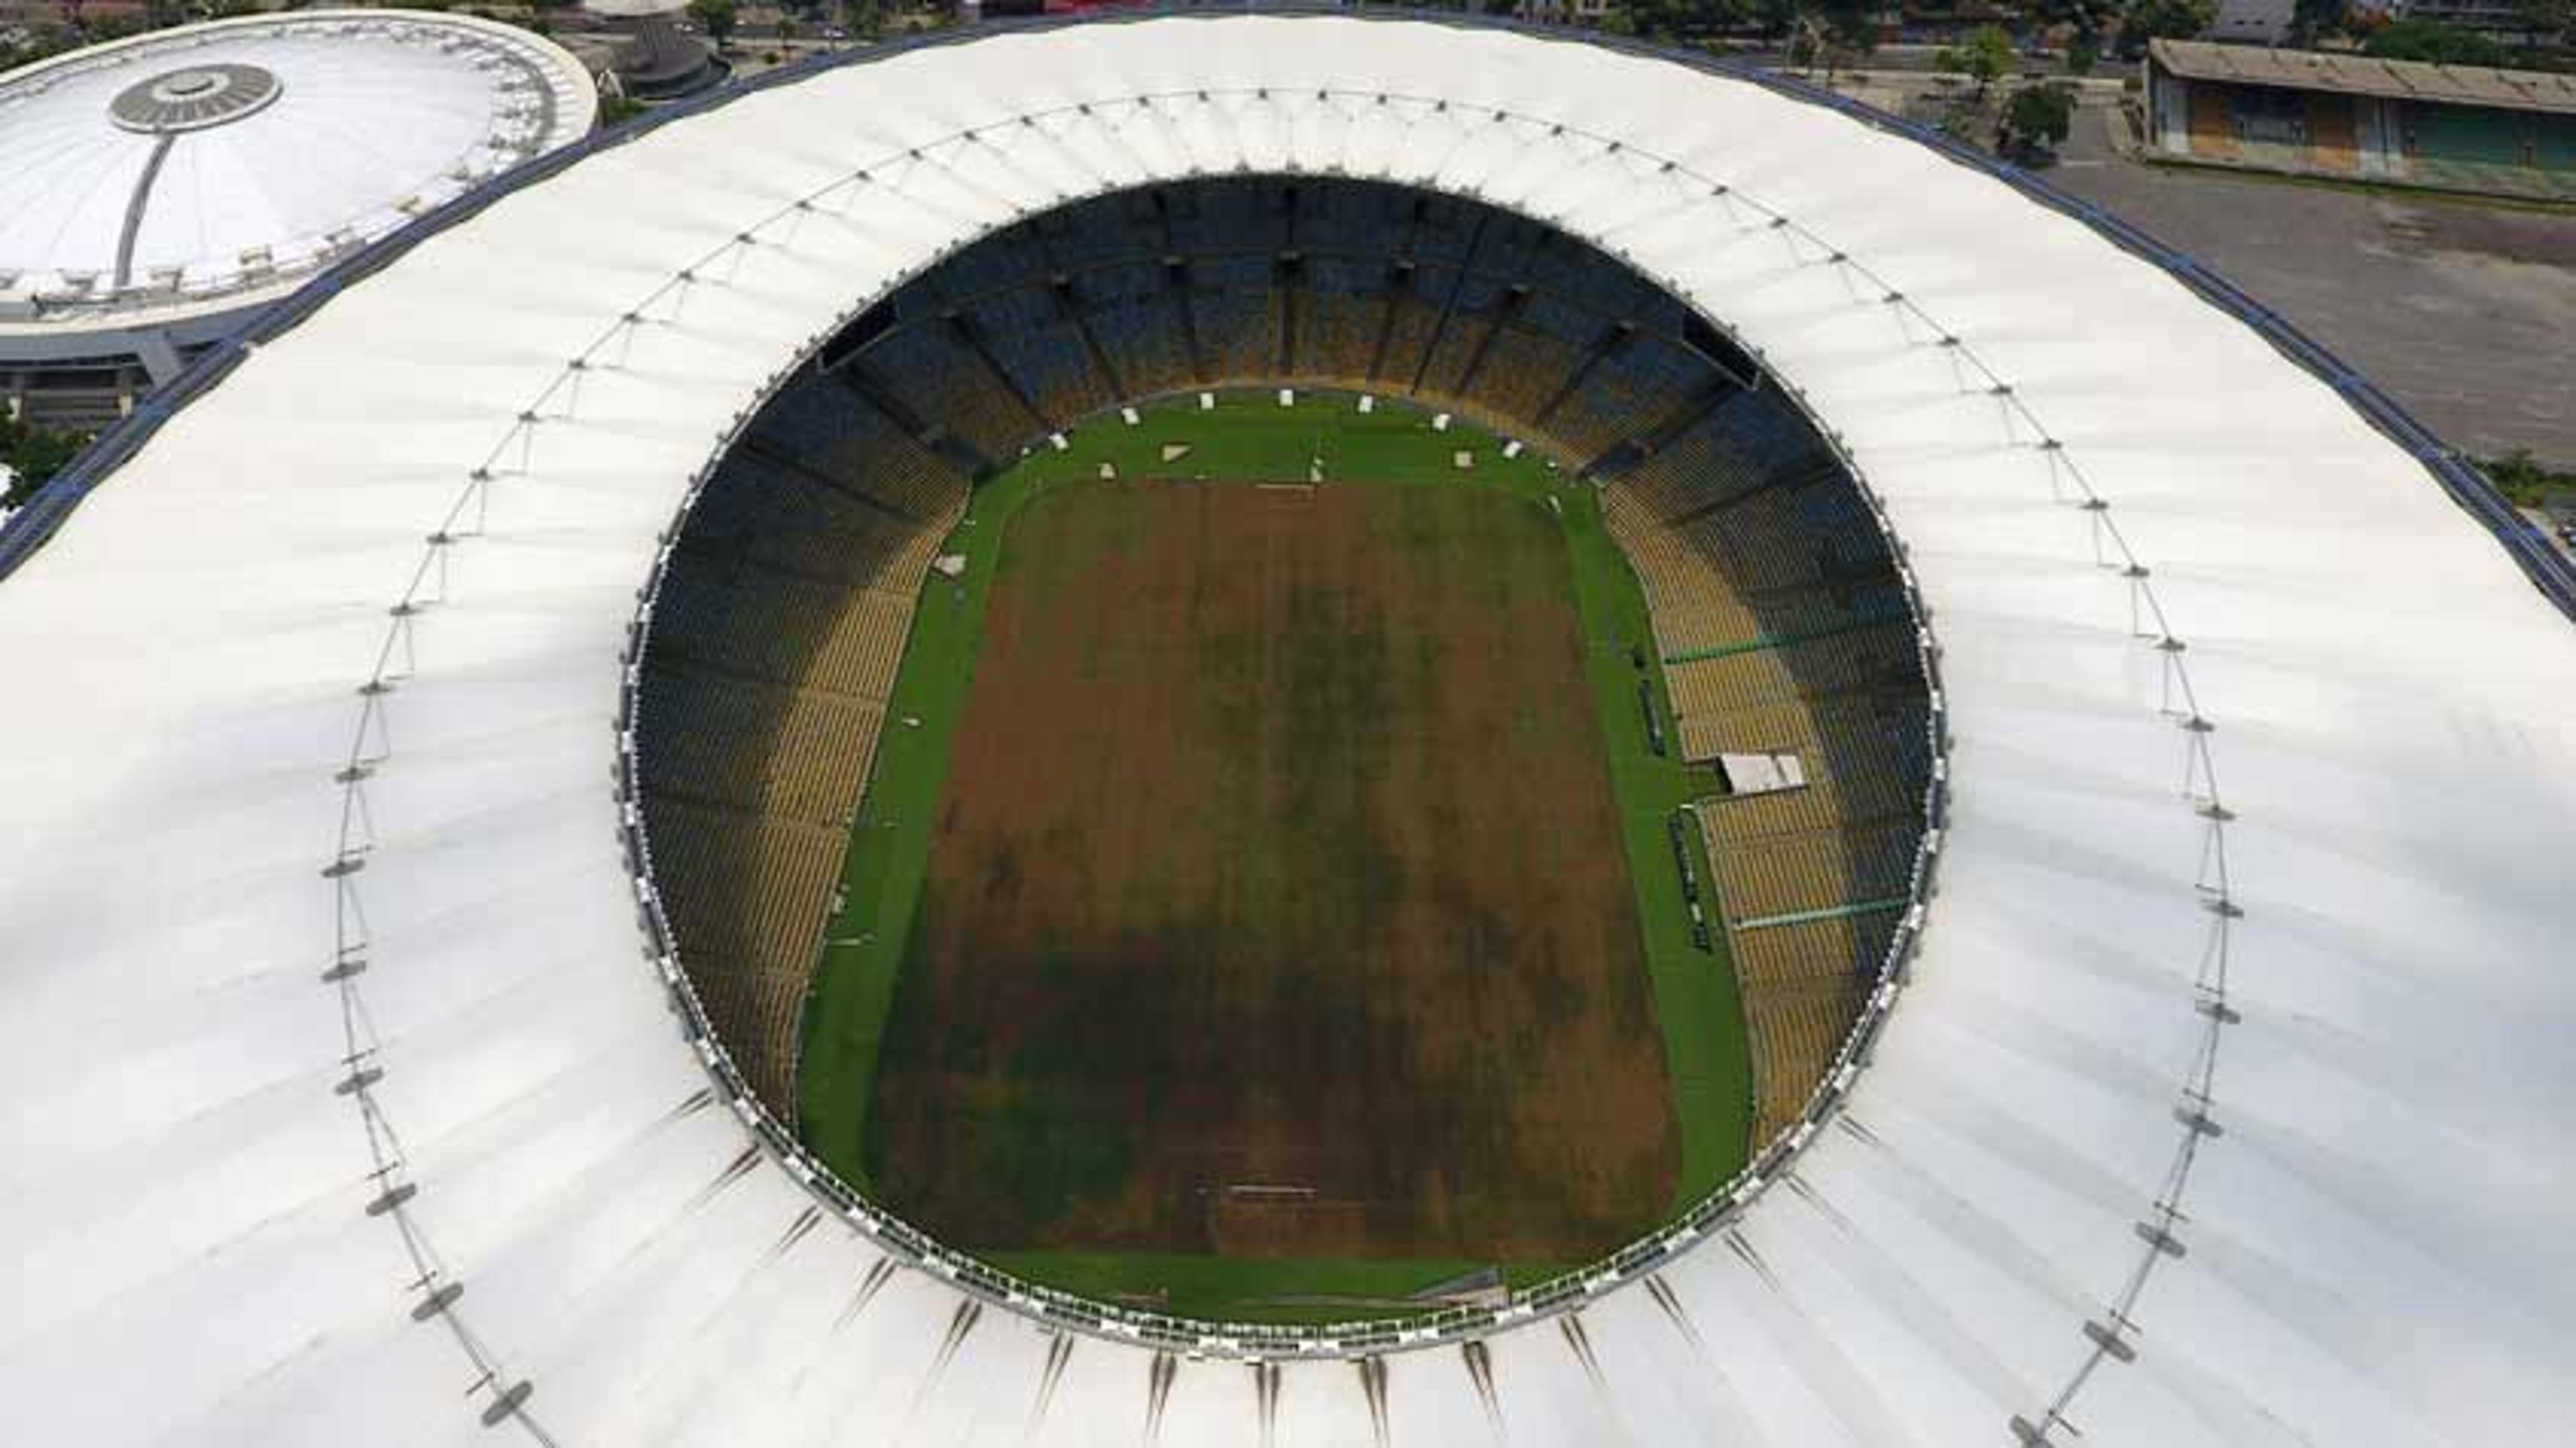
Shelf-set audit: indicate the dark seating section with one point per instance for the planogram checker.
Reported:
(1784, 631)
(1258, 282)
(1774, 602)
(774, 643)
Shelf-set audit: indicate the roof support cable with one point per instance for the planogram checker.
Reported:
(527, 435)
(1841, 263)
(576, 369)
(625, 333)
(2112, 1337)
(2094, 509)
(796, 221)
(371, 746)
(1896, 307)
(2137, 575)
(2213, 849)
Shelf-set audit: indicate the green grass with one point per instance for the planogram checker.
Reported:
(2528, 483)
(1250, 437)
(889, 854)
(1705, 1046)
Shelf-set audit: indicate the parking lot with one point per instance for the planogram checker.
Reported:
(2463, 311)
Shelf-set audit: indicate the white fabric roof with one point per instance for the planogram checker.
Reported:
(2373, 1252)
(379, 111)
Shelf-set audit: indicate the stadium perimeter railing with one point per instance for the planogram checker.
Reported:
(2549, 572)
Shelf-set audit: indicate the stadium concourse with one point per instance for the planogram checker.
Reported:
(2218, 1095)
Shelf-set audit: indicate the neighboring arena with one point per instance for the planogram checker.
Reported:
(155, 191)
(2153, 985)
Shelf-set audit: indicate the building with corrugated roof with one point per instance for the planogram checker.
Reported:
(2452, 127)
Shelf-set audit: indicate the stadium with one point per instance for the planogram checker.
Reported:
(1282, 728)
(157, 192)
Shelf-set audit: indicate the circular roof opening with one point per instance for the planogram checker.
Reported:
(196, 98)
(1070, 752)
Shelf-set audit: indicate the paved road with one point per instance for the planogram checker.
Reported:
(2464, 313)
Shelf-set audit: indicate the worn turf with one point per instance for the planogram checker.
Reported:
(1274, 838)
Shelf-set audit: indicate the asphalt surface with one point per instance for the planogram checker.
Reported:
(2464, 312)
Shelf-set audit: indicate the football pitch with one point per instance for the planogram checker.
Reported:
(1262, 904)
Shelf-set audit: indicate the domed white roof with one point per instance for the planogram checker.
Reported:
(203, 162)
(341, 1099)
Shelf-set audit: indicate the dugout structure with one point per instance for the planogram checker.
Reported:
(2218, 1100)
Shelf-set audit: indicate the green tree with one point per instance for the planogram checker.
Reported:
(2084, 19)
(2431, 40)
(1671, 19)
(1983, 57)
(1654, 19)
(2312, 18)
(2081, 54)
(2527, 481)
(2163, 20)
(35, 454)
(718, 16)
(2036, 119)
(2551, 21)
(1830, 31)
(1851, 24)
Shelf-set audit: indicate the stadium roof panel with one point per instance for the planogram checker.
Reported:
(2195, 1122)
(195, 165)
